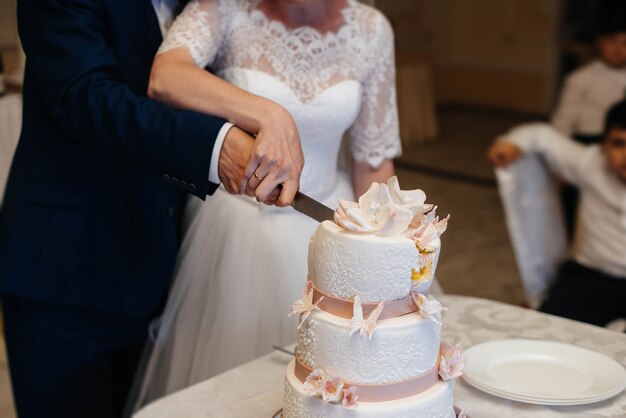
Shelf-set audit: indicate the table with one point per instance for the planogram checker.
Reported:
(255, 389)
(10, 125)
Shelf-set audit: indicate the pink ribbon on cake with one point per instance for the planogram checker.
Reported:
(386, 391)
(344, 307)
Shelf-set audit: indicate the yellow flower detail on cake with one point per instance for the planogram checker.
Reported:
(423, 274)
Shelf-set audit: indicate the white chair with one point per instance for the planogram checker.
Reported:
(535, 223)
(536, 226)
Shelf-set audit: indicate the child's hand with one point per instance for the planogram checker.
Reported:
(503, 153)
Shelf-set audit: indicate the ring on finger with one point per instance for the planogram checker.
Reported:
(256, 176)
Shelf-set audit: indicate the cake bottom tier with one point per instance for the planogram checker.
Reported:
(436, 402)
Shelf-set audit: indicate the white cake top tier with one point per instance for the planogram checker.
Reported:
(375, 268)
(378, 248)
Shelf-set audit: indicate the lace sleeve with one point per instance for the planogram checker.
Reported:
(199, 28)
(375, 134)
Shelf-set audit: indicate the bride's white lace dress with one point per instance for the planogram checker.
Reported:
(242, 264)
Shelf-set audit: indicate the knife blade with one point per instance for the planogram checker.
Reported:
(312, 208)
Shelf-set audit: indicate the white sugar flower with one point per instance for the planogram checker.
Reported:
(429, 307)
(452, 361)
(375, 213)
(414, 200)
(304, 306)
(361, 325)
(314, 382)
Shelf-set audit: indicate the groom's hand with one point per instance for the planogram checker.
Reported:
(234, 158)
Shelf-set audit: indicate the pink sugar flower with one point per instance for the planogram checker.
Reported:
(349, 397)
(332, 390)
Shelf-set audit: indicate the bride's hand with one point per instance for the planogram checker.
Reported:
(276, 159)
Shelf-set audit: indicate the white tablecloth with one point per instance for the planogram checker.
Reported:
(10, 125)
(256, 388)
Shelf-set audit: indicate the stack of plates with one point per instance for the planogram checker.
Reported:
(543, 372)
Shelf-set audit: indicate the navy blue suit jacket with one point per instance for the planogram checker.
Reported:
(95, 193)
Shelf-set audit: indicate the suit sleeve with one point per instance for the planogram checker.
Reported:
(72, 67)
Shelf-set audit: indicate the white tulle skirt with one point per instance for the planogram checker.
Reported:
(240, 267)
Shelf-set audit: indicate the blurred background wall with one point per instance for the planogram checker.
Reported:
(482, 52)
(8, 34)
(506, 54)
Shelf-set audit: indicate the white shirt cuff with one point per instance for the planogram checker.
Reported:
(214, 176)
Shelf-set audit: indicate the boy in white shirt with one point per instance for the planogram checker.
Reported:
(590, 91)
(592, 286)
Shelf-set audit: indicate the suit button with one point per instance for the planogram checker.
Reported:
(175, 180)
(192, 187)
(165, 177)
(170, 212)
(184, 183)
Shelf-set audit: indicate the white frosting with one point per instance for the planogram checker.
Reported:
(401, 348)
(436, 402)
(347, 264)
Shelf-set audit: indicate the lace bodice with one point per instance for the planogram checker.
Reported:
(330, 82)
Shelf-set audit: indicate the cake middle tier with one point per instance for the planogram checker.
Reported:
(401, 348)
(347, 264)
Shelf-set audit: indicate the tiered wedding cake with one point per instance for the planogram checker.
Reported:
(369, 337)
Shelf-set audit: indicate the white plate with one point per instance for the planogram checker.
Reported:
(498, 392)
(539, 401)
(544, 401)
(543, 372)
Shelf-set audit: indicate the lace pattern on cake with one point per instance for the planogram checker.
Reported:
(294, 407)
(307, 342)
(227, 34)
(383, 363)
(348, 273)
(391, 356)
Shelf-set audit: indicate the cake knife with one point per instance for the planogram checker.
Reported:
(312, 208)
